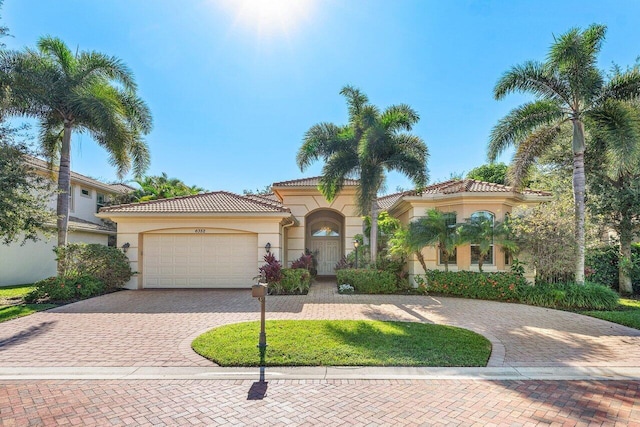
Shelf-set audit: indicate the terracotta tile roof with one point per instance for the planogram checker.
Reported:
(214, 202)
(310, 182)
(82, 224)
(265, 198)
(473, 186)
(43, 166)
(385, 202)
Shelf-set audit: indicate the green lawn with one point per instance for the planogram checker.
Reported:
(628, 313)
(13, 311)
(344, 343)
(16, 292)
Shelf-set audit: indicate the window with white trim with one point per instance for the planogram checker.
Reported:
(475, 248)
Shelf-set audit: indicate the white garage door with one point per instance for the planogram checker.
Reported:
(199, 261)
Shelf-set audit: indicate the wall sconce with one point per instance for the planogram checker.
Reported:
(267, 247)
(125, 247)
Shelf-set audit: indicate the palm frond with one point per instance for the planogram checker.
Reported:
(56, 48)
(576, 50)
(320, 142)
(355, 100)
(520, 123)
(529, 150)
(623, 86)
(90, 63)
(341, 165)
(535, 78)
(399, 117)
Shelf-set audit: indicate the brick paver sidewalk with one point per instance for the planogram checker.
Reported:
(155, 328)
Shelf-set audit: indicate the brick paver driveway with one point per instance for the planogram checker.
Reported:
(155, 328)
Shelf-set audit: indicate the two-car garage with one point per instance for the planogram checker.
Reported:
(199, 260)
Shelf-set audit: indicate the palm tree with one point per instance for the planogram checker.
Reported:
(371, 144)
(483, 232)
(87, 92)
(569, 89)
(162, 187)
(434, 229)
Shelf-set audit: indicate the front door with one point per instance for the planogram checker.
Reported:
(327, 253)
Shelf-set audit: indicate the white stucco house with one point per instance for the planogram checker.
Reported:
(20, 264)
(219, 239)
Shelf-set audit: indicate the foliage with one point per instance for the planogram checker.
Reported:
(545, 236)
(470, 284)
(364, 257)
(569, 90)
(342, 264)
(344, 343)
(67, 289)
(345, 288)
(271, 271)
(372, 143)
(15, 311)
(602, 266)
(264, 191)
(590, 296)
(308, 260)
(396, 266)
(387, 226)
(492, 172)
(77, 92)
(434, 229)
(107, 264)
(294, 281)
(24, 194)
(627, 313)
(162, 187)
(368, 281)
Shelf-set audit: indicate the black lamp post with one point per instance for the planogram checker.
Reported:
(355, 245)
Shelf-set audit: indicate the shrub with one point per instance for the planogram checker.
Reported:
(470, 284)
(395, 266)
(307, 261)
(107, 264)
(271, 272)
(368, 281)
(590, 296)
(294, 281)
(58, 289)
(345, 288)
(602, 266)
(342, 264)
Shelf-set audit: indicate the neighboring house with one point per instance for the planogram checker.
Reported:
(34, 261)
(219, 239)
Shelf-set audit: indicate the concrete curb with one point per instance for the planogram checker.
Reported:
(319, 373)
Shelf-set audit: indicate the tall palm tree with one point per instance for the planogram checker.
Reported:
(371, 144)
(86, 92)
(569, 89)
(434, 229)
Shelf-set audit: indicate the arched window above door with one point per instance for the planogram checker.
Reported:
(325, 228)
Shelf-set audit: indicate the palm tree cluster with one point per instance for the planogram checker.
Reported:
(372, 143)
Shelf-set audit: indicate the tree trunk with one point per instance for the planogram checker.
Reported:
(624, 262)
(64, 188)
(373, 239)
(421, 260)
(578, 196)
(480, 261)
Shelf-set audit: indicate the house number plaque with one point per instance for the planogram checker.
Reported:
(200, 230)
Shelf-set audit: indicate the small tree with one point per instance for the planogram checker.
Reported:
(435, 229)
(492, 172)
(482, 231)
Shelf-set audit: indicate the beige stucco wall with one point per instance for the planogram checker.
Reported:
(464, 206)
(35, 260)
(133, 229)
(304, 201)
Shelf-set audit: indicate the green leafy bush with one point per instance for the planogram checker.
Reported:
(294, 281)
(470, 284)
(107, 264)
(368, 281)
(590, 296)
(58, 289)
(602, 266)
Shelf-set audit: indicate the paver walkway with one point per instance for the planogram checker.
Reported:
(155, 328)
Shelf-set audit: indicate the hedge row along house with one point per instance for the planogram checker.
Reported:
(219, 239)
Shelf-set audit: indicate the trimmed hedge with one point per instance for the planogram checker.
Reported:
(471, 284)
(366, 281)
(590, 296)
(57, 289)
(107, 264)
(514, 288)
(293, 281)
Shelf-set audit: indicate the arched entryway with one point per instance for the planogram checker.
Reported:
(324, 237)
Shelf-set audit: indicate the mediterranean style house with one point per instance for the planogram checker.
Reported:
(219, 239)
(33, 261)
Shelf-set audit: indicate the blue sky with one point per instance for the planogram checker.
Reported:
(232, 91)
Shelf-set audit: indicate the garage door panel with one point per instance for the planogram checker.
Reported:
(199, 261)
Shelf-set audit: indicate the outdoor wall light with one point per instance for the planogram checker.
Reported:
(267, 247)
(355, 245)
(125, 247)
